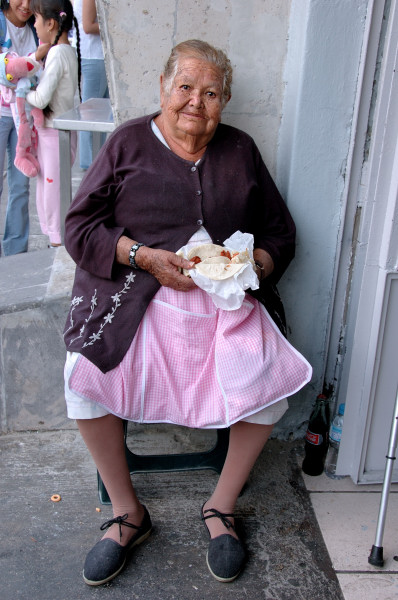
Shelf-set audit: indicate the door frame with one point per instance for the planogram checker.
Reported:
(368, 263)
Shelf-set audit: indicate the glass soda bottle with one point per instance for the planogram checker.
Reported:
(334, 444)
(317, 437)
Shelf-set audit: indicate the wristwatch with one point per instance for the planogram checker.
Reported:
(133, 252)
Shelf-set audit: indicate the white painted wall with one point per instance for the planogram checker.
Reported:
(314, 165)
(296, 66)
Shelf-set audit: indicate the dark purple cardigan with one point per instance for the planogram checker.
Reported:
(138, 187)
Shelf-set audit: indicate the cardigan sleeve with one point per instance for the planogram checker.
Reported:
(91, 235)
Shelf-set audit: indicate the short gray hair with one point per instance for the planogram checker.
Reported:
(203, 51)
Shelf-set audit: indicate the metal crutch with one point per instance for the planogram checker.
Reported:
(376, 555)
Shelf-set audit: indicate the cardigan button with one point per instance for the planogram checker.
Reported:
(198, 192)
(193, 169)
(199, 222)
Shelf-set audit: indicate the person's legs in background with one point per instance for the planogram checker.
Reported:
(4, 131)
(48, 182)
(16, 230)
(95, 85)
(39, 196)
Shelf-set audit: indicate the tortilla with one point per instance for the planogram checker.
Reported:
(214, 265)
(205, 251)
(242, 257)
(221, 260)
(218, 270)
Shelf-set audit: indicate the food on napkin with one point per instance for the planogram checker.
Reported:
(217, 262)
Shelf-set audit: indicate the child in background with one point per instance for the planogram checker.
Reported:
(55, 94)
(95, 84)
(16, 35)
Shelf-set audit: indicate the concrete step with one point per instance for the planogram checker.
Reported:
(35, 292)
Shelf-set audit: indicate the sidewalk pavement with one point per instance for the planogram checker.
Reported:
(44, 543)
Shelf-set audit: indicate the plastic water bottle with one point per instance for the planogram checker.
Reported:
(317, 437)
(334, 444)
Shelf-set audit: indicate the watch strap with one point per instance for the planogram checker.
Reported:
(133, 251)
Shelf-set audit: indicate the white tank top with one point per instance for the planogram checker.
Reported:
(90, 43)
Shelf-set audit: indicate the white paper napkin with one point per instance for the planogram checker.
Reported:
(229, 293)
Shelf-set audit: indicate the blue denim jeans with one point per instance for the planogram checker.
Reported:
(95, 85)
(16, 231)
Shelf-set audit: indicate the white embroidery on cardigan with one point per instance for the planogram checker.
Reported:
(94, 337)
(75, 302)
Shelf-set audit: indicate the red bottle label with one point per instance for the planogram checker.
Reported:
(314, 438)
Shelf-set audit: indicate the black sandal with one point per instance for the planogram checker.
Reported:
(225, 555)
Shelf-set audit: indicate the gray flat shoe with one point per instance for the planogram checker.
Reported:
(225, 555)
(107, 558)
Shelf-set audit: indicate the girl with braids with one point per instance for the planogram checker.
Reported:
(55, 94)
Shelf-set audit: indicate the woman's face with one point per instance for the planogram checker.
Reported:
(194, 104)
(18, 12)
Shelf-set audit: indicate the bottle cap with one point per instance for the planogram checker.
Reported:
(341, 409)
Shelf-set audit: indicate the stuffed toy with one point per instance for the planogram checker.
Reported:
(16, 76)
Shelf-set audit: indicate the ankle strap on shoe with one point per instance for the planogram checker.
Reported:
(222, 516)
(119, 521)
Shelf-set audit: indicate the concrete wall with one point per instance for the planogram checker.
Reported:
(138, 36)
(314, 163)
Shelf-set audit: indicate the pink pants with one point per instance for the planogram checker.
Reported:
(48, 181)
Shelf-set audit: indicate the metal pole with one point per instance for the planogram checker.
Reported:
(376, 555)
(65, 177)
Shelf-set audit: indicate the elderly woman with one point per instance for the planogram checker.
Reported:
(144, 342)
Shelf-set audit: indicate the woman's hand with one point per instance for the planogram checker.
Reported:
(165, 266)
(264, 263)
(162, 264)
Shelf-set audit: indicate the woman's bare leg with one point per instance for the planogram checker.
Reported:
(104, 438)
(245, 444)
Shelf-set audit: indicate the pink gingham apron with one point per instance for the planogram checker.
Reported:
(195, 365)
